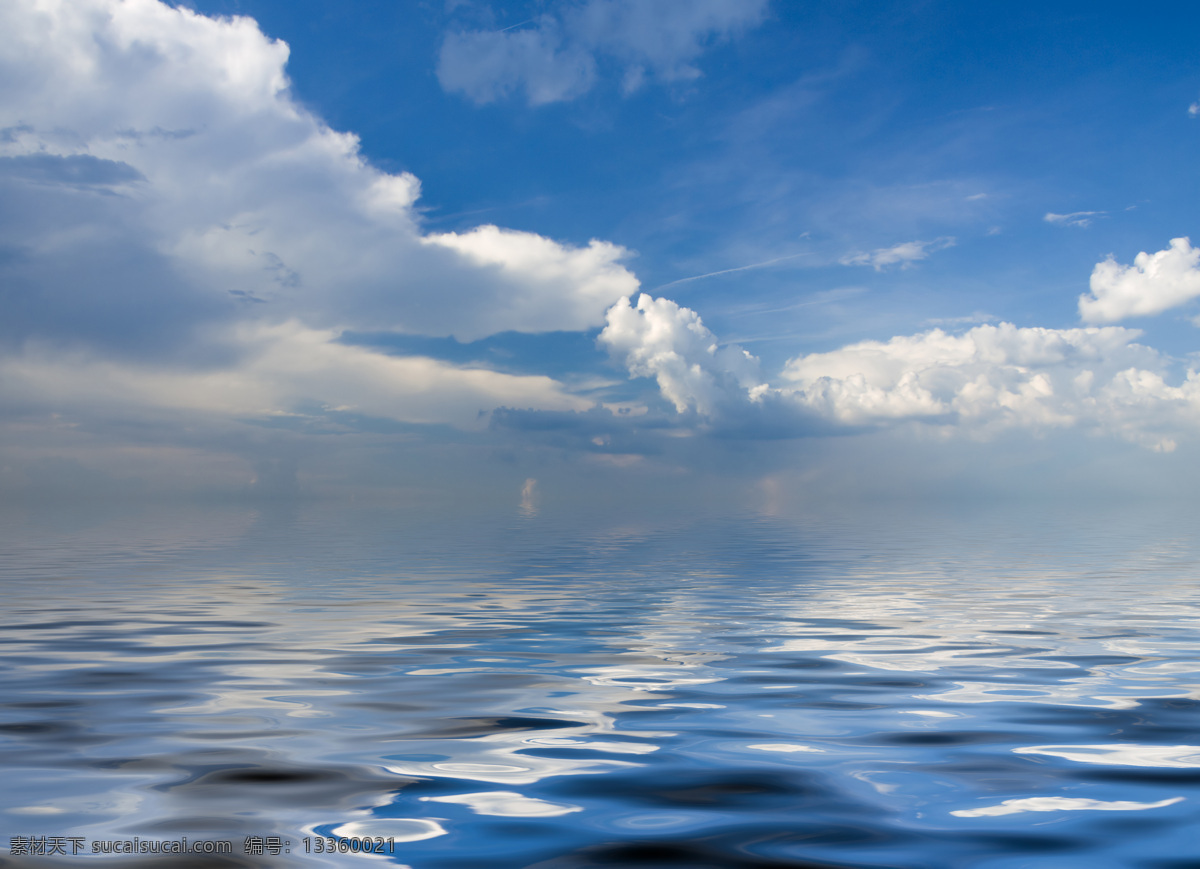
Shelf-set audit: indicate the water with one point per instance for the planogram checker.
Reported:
(884, 688)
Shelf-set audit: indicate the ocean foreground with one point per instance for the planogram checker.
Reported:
(892, 686)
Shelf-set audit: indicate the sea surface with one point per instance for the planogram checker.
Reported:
(883, 686)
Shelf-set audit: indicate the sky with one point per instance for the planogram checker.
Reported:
(625, 249)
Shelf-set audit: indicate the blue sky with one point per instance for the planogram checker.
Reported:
(327, 246)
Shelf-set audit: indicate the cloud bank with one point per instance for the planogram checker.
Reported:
(180, 232)
(990, 379)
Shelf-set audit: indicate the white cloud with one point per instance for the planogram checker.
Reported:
(278, 370)
(582, 282)
(993, 378)
(1154, 283)
(1194, 110)
(487, 66)
(904, 254)
(1080, 219)
(235, 184)
(989, 379)
(662, 39)
(557, 58)
(660, 339)
(190, 235)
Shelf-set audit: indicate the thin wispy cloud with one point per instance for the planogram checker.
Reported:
(1080, 219)
(824, 297)
(745, 268)
(903, 255)
(965, 320)
(565, 51)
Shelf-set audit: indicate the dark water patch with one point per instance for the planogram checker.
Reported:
(1088, 661)
(242, 734)
(471, 728)
(1136, 776)
(806, 663)
(137, 764)
(449, 638)
(1172, 704)
(281, 787)
(387, 707)
(265, 776)
(849, 624)
(72, 625)
(946, 737)
(146, 684)
(822, 834)
(57, 704)
(1139, 824)
(1028, 844)
(40, 728)
(893, 684)
(692, 855)
(1153, 720)
(727, 791)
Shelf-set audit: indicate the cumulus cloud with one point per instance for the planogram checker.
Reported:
(582, 282)
(1194, 110)
(903, 255)
(1154, 283)
(1080, 219)
(989, 379)
(658, 338)
(178, 227)
(558, 57)
(996, 377)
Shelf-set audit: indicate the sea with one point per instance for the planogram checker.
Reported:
(984, 685)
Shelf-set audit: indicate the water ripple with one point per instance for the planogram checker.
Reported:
(732, 693)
